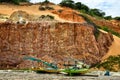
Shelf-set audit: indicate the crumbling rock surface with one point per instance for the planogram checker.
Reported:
(54, 42)
(69, 15)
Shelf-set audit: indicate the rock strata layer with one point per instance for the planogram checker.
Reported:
(55, 42)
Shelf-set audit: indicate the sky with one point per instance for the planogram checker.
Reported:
(110, 7)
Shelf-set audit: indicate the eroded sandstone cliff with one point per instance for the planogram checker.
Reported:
(50, 41)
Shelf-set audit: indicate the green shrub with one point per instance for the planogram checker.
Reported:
(108, 17)
(46, 16)
(67, 3)
(42, 8)
(110, 63)
(51, 17)
(110, 30)
(14, 1)
(96, 12)
(83, 8)
(49, 8)
(42, 16)
(117, 18)
(60, 10)
(77, 6)
(45, 2)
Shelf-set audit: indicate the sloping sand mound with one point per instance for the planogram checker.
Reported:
(115, 48)
(8, 9)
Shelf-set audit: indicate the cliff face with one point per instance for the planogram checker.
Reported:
(50, 41)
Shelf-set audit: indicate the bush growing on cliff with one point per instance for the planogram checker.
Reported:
(112, 63)
(43, 8)
(49, 8)
(67, 3)
(51, 17)
(110, 30)
(77, 6)
(46, 17)
(45, 2)
(117, 18)
(108, 18)
(96, 12)
(14, 1)
(83, 8)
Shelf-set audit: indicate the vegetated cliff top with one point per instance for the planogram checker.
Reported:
(62, 14)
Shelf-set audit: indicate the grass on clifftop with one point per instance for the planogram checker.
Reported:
(105, 28)
(110, 30)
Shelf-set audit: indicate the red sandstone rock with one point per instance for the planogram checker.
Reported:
(69, 15)
(58, 43)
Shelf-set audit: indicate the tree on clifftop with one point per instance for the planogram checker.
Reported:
(117, 18)
(67, 3)
(71, 4)
(14, 1)
(82, 7)
(96, 12)
(46, 1)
